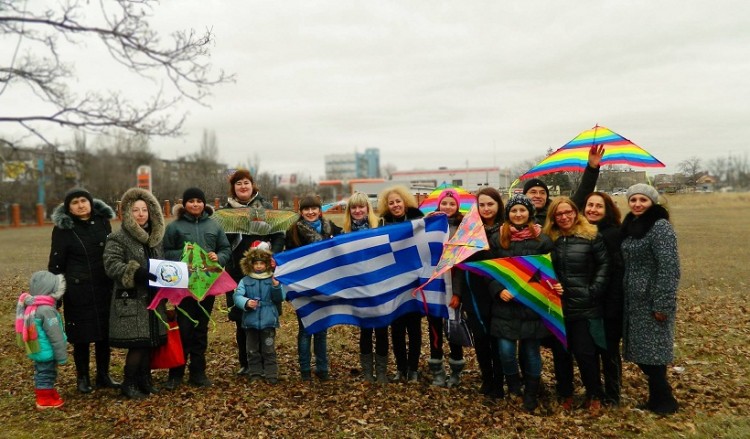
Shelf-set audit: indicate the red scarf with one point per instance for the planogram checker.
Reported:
(525, 233)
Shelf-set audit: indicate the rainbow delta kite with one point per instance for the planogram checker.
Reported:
(529, 279)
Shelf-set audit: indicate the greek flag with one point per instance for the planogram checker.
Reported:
(366, 278)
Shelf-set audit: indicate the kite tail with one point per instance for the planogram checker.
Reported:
(161, 319)
(213, 323)
(184, 313)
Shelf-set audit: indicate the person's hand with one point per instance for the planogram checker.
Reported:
(660, 317)
(213, 256)
(251, 304)
(142, 276)
(274, 282)
(558, 288)
(506, 296)
(455, 301)
(595, 155)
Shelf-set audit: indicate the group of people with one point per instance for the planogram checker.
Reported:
(617, 283)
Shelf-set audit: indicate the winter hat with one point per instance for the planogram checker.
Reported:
(44, 283)
(643, 189)
(193, 192)
(448, 193)
(309, 201)
(535, 182)
(238, 175)
(522, 200)
(253, 255)
(75, 193)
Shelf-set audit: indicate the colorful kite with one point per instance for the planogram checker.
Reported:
(529, 279)
(573, 156)
(429, 204)
(206, 278)
(469, 238)
(254, 221)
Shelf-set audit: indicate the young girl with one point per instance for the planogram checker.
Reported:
(258, 294)
(311, 227)
(39, 329)
(517, 329)
(359, 216)
(448, 203)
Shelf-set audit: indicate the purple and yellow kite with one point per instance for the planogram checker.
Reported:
(529, 279)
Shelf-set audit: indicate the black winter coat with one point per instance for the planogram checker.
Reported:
(513, 320)
(613, 297)
(582, 267)
(76, 253)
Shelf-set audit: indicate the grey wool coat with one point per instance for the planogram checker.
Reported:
(651, 277)
(131, 324)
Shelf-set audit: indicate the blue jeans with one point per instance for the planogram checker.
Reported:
(45, 374)
(320, 345)
(528, 352)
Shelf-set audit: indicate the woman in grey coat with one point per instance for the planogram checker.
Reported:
(126, 258)
(651, 276)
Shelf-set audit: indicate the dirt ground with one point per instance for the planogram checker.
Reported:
(710, 374)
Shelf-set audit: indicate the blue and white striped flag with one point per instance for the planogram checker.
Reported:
(366, 278)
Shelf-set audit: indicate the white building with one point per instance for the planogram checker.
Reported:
(471, 179)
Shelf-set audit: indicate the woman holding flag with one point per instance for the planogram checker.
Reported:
(517, 329)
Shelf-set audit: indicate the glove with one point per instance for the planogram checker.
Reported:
(455, 301)
(142, 276)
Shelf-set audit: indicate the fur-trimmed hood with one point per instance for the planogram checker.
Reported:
(256, 254)
(61, 218)
(155, 217)
(179, 210)
(583, 229)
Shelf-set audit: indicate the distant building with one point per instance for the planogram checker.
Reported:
(354, 165)
(471, 179)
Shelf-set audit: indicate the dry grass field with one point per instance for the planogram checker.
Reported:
(710, 374)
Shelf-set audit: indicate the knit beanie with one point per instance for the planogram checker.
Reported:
(643, 189)
(309, 201)
(535, 182)
(522, 200)
(44, 283)
(449, 193)
(193, 192)
(75, 193)
(238, 175)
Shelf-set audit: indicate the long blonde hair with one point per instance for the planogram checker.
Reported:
(358, 199)
(401, 191)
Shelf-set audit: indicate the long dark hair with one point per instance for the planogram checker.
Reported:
(612, 214)
(495, 195)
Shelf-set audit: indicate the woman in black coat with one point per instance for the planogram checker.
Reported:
(81, 229)
(581, 263)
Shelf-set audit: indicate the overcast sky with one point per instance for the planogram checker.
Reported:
(435, 83)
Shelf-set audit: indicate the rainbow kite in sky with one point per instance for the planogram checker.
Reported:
(573, 156)
(529, 279)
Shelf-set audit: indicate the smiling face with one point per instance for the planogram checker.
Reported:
(194, 207)
(595, 209)
(243, 189)
(565, 216)
(449, 206)
(488, 208)
(139, 210)
(396, 205)
(518, 215)
(80, 207)
(358, 213)
(311, 214)
(639, 204)
(538, 196)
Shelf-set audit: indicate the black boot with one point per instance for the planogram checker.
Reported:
(531, 393)
(146, 384)
(84, 384)
(129, 387)
(514, 384)
(105, 381)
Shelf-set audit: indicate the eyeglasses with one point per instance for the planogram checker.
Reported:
(568, 213)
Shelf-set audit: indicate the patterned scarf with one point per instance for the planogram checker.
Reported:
(525, 232)
(360, 224)
(26, 333)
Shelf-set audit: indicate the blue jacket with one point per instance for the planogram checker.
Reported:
(52, 340)
(266, 315)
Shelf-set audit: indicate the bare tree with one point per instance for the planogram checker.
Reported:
(41, 31)
(692, 168)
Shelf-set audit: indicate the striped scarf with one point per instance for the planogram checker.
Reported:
(26, 332)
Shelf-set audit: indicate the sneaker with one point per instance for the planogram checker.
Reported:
(47, 399)
(244, 370)
(200, 380)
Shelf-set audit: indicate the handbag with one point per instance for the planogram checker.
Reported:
(457, 330)
(171, 354)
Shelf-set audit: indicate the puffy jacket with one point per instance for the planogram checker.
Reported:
(202, 230)
(582, 267)
(513, 320)
(266, 315)
(52, 340)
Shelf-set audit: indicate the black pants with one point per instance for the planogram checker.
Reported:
(435, 334)
(381, 341)
(581, 346)
(194, 337)
(81, 353)
(410, 323)
(611, 360)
